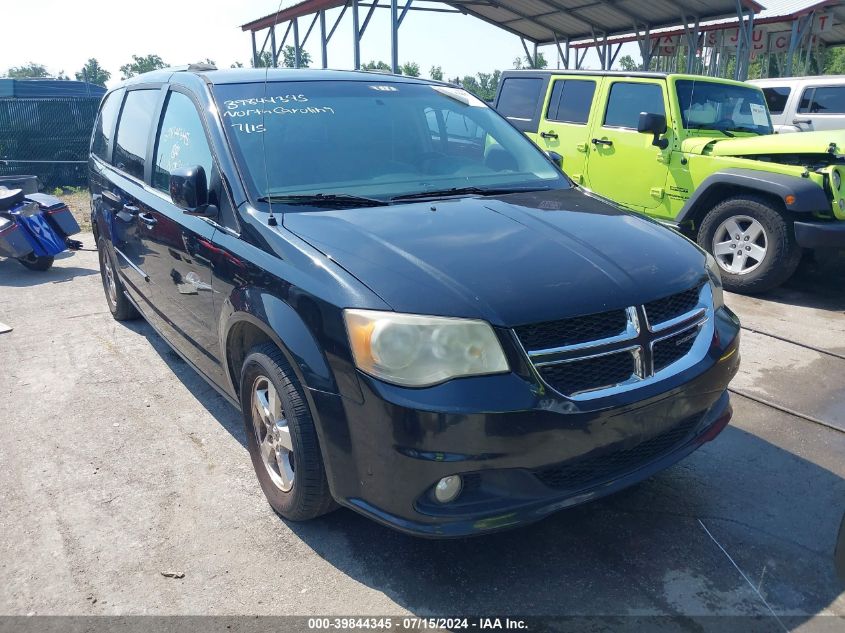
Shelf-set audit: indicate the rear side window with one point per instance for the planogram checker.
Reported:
(181, 141)
(105, 124)
(136, 118)
(628, 100)
(823, 100)
(519, 97)
(571, 101)
(776, 98)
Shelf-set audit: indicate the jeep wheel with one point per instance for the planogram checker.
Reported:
(119, 305)
(752, 242)
(281, 437)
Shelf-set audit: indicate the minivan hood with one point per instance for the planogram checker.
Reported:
(511, 260)
(804, 143)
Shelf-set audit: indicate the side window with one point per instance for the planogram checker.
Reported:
(181, 141)
(519, 96)
(825, 100)
(571, 101)
(627, 100)
(776, 98)
(105, 124)
(806, 100)
(130, 148)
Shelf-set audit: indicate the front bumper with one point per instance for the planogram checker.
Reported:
(820, 234)
(523, 450)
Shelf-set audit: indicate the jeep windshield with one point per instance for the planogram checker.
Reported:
(339, 143)
(725, 108)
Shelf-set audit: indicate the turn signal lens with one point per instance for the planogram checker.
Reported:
(419, 351)
(790, 199)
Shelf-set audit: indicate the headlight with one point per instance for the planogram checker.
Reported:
(836, 178)
(715, 282)
(418, 351)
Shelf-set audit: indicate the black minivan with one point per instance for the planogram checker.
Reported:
(419, 315)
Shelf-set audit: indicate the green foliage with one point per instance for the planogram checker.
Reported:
(289, 57)
(411, 69)
(265, 60)
(834, 63)
(482, 85)
(141, 64)
(627, 63)
(93, 73)
(436, 73)
(525, 62)
(376, 65)
(29, 70)
(237, 65)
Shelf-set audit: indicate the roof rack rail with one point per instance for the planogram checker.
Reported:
(198, 67)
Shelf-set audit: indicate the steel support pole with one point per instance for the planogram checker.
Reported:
(394, 36)
(324, 49)
(356, 38)
(273, 48)
(297, 59)
(790, 53)
(254, 51)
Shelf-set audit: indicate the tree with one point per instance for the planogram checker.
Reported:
(29, 70)
(62, 76)
(289, 57)
(237, 65)
(265, 60)
(93, 73)
(525, 62)
(627, 63)
(411, 69)
(436, 73)
(488, 83)
(379, 65)
(141, 65)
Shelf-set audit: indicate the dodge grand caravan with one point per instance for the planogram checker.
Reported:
(419, 315)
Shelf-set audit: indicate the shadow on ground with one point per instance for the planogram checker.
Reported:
(13, 274)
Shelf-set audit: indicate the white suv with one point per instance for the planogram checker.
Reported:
(802, 104)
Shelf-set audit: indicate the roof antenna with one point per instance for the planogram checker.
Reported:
(271, 219)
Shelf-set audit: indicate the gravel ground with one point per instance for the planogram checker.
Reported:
(119, 463)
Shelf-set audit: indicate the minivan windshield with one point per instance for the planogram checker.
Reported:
(379, 140)
(708, 105)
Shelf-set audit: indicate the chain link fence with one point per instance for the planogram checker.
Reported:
(47, 137)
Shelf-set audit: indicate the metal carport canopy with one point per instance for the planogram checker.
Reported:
(545, 21)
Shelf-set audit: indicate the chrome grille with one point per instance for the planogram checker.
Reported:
(673, 306)
(590, 373)
(572, 331)
(585, 356)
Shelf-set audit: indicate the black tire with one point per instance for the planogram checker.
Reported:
(119, 305)
(309, 496)
(782, 253)
(34, 262)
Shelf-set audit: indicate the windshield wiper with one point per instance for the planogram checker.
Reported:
(326, 199)
(744, 128)
(715, 129)
(460, 191)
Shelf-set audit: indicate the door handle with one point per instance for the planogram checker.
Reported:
(799, 121)
(147, 219)
(130, 209)
(601, 141)
(549, 135)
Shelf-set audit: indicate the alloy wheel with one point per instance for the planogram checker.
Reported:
(740, 244)
(108, 277)
(272, 434)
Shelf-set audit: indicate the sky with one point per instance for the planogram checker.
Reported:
(62, 35)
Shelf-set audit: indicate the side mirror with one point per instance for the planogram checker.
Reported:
(651, 123)
(189, 189)
(556, 158)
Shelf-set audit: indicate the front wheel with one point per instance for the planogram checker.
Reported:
(119, 305)
(752, 242)
(33, 262)
(281, 437)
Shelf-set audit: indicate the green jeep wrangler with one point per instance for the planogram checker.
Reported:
(694, 152)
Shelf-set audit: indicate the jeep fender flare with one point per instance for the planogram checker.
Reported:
(809, 197)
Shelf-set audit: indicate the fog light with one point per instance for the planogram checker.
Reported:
(448, 488)
(837, 179)
(842, 204)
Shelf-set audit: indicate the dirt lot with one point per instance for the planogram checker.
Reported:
(119, 463)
